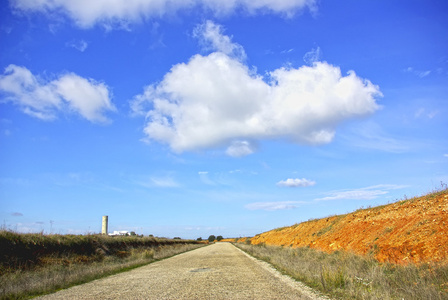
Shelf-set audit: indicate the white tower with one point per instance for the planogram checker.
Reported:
(104, 228)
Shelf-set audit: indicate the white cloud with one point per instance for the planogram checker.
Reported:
(85, 96)
(216, 100)
(25, 90)
(445, 155)
(296, 182)
(271, 206)
(367, 193)
(44, 100)
(87, 13)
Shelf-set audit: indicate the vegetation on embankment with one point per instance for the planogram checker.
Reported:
(35, 264)
(345, 275)
(408, 231)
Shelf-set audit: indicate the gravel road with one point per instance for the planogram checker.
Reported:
(218, 271)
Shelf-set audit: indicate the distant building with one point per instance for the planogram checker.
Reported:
(118, 233)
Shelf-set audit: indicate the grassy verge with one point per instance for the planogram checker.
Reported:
(43, 264)
(343, 275)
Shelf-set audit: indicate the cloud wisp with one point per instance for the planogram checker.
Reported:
(296, 182)
(367, 193)
(240, 148)
(157, 182)
(312, 56)
(88, 13)
(79, 45)
(418, 73)
(211, 37)
(217, 100)
(164, 182)
(205, 178)
(273, 206)
(370, 135)
(45, 99)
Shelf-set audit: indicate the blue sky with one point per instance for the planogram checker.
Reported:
(191, 118)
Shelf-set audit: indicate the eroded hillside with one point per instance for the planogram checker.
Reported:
(414, 230)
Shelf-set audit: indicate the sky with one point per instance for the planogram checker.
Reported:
(200, 117)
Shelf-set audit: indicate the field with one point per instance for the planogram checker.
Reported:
(34, 264)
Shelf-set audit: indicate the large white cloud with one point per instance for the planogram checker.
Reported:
(45, 99)
(87, 13)
(217, 100)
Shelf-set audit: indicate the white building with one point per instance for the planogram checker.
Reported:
(117, 233)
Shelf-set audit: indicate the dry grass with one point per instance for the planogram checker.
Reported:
(44, 264)
(27, 250)
(343, 275)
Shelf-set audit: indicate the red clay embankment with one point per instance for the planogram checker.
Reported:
(414, 230)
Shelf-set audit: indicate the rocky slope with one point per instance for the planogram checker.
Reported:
(414, 230)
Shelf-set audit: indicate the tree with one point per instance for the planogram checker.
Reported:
(219, 237)
(211, 238)
(199, 239)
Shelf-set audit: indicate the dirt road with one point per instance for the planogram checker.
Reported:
(218, 271)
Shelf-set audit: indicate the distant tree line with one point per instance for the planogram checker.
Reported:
(212, 238)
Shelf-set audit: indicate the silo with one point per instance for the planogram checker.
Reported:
(104, 228)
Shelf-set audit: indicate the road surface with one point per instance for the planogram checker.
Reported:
(218, 271)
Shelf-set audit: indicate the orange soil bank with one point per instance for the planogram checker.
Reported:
(414, 230)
